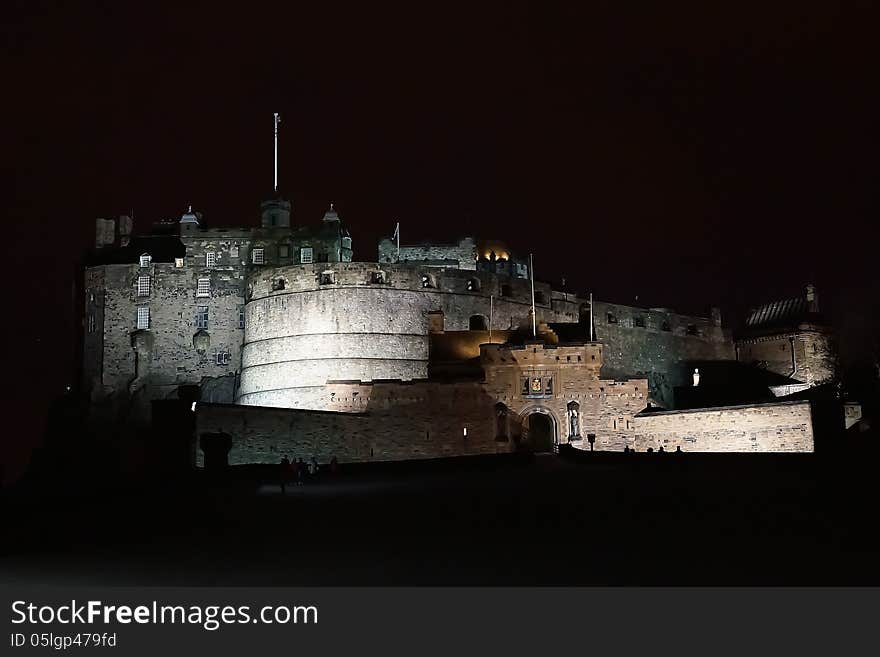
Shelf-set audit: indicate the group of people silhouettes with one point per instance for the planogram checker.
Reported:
(297, 471)
(650, 450)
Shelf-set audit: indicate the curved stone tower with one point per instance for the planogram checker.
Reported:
(310, 324)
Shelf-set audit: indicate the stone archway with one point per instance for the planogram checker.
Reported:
(540, 430)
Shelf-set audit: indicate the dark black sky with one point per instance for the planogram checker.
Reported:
(687, 154)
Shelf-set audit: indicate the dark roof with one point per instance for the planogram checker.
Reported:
(162, 248)
(784, 314)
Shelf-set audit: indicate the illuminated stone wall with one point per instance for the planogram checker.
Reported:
(462, 254)
(777, 427)
(390, 421)
(814, 359)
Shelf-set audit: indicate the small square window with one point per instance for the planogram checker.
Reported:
(210, 259)
(222, 358)
(377, 278)
(202, 317)
(143, 317)
(146, 259)
(639, 322)
(306, 255)
(612, 318)
(143, 286)
(178, 263)
(328, 278)
(204, 287)
(257, 256)
(241, 317)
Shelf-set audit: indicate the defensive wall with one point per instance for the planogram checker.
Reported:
(774, 427)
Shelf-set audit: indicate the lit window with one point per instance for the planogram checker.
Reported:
(143, 286)
(377, 278)
(241, 317)
(204, 287)
(233, 251)
(143, 317)
(210, 259)
(202, 317)
(428, 281)
(178, 262)
(146, 259)
(473, 284)
(257, 256)
(306, 255)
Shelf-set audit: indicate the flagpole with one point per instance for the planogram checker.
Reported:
(532, 276)
(397, 230)
(491, 311)
(591, 316)
(277, 121)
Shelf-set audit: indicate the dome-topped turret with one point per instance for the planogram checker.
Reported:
(331, 215)
(189, 217)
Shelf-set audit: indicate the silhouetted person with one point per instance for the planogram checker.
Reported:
(284, 473)
(678, 449)
(334, 465)
(626, 449)
(650, 450)
(661, 449)
(300, 471)
(313, 467)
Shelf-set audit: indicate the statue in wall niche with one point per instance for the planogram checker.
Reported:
(696, 376)
(574, 424)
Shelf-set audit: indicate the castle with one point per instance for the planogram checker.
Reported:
(290, 346)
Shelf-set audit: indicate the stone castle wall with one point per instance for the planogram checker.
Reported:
(657, 344)
(776, 427)
(814, 357)
(301, 333)
(400, 421)
(462, 255)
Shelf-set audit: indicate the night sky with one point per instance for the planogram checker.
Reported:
(690, 156)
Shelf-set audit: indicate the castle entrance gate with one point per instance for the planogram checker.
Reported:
(540, 432)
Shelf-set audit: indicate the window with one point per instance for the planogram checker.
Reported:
(665, 326)
(92, 323)
(525, 386)
(233, 251)
(178, 263)
(328, 278)
(146, 259)
(210, 259)
(639, 322)
(473, 284)
(612, 318)
(283, 250)
(278, 284)
(143, 317)
(202, 317)
(692, 329)
(346, 242)
(540, 297)
(241, 317)
(306, 255)
(222, 358)
(477, 323)
(548, 386)
(204, 287)
(143, 286)
(377, 278)
(428, 282)
(257, 256)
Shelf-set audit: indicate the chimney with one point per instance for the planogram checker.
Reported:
(812, 298)
(105, 232)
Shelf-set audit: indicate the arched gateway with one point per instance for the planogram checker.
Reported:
(540, 431)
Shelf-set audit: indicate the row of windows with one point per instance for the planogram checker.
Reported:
(203, 287)
(639, 322)
(200, 321)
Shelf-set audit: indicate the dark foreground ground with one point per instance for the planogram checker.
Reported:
(550, 520)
